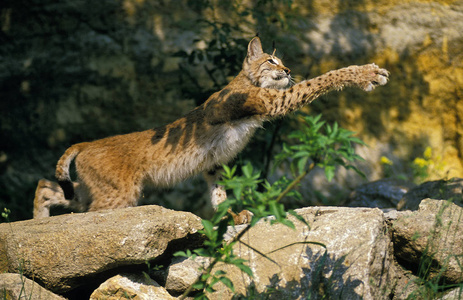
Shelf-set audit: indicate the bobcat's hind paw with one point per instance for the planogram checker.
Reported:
(376, 76)
(244, 217)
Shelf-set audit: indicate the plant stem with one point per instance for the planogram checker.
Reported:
(291, 186)
(295, 182)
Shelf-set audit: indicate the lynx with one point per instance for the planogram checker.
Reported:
(112, 171)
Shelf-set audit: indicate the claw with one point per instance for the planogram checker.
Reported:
(370, 87)
(382, 80)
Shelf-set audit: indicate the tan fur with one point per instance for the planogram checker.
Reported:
(48, 194)
(112, 171)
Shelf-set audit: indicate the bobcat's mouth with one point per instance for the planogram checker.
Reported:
(281, 81)
(280, 77)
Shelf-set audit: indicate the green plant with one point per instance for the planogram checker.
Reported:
(430, 278)
(6, 214)
(425, 167)
(323, 145)
(318, 145)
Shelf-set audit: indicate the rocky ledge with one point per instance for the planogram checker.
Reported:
(346, 253)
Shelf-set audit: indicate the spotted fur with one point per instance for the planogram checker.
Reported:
(112, 171)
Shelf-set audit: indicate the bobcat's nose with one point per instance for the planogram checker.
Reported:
(287, 71)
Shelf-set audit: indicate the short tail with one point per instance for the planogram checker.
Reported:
(62, 170)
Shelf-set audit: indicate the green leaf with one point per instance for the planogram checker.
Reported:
(202, 252)
(274, 209)
(208, 228)
(199, 285)
(182, 253)
(228, 283)
(329, 172)
(246, 269)
(301, 164)
(219, 272)
(298, 217)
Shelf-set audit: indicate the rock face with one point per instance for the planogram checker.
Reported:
(431, 238)
(17, 286)
(183, 272)
(130, 286)
(354, 265)
(345, 253)
(384, 193)
(439, 189)
(64, 252)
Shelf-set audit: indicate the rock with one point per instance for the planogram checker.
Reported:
(63, 252)
(456, 293)
(384, 193)
(347, 253)
(439, 189)
(183, 272)
(356, 264)
(130, 286)
(17, 286)
(431, 238)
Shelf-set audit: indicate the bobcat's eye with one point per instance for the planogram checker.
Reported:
(272, 61)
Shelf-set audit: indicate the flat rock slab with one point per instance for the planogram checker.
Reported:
(62, 252)
(130, 286)
(355, 264)
(17, 286)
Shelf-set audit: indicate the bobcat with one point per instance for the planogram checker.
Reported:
(112, 171)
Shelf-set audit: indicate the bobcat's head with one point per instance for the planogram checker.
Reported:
(265, 70)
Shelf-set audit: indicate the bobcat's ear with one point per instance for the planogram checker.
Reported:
(255, 49)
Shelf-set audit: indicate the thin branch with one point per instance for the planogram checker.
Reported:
(237, 238)
(295, 182)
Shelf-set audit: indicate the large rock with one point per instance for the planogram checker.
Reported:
(384, 193)
(17, 286)
(65, 251)
(347, 253)
(130, 286)
(431, 239)
(451, 189)
(356, 263)
(183, 272)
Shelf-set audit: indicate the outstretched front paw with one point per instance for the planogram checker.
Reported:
(373, 76)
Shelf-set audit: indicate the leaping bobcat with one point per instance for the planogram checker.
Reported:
(112, 171)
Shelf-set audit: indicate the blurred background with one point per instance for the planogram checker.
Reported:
(79, 70)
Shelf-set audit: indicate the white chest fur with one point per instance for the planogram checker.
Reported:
(229, 139)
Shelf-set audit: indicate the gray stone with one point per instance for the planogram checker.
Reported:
(434, 234)
(454, 294)
(384, 193)
(438, 189)
(130, 286)
(63, 252)
(356, 263)
(17, 286)
(183, 272)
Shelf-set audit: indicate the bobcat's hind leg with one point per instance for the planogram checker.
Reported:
(217, 192)
(219, 195)
(48, 194)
